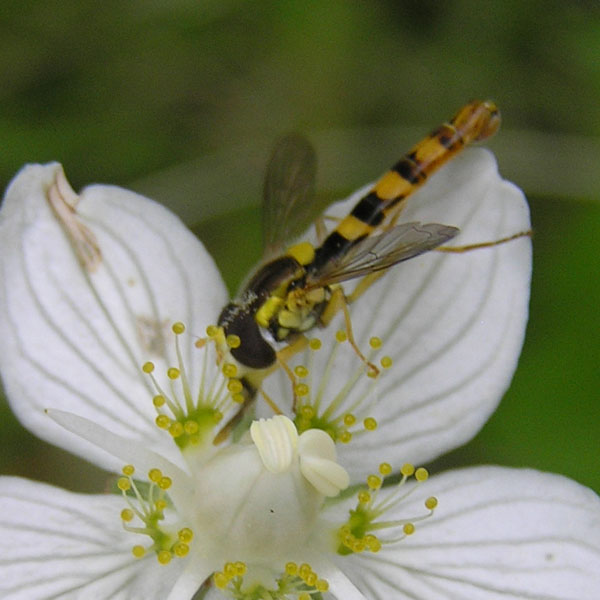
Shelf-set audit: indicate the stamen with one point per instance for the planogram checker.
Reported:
(314, 344)
(357, 534)
(339, 418)
(166, 543)
(297, 582)
(190, 419)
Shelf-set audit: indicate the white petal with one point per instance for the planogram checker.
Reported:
(496, 534)
(340, 586)
(81, 312)
(56, 544)
(452, 323)
(128, 452)
(191, 580)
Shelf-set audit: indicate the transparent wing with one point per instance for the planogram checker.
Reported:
(381, 251)
(289, 189)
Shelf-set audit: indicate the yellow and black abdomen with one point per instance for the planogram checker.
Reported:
(474, 122)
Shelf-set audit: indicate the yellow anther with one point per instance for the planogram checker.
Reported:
(421, 474)
(373, 543)
(304, 570)
(307, 411)
(148, 367)
(375, 342)
(180, 549)
(407, 469)
(386, 362)
(238, 398)
(200, 343)
(160, 505)
(374, 482)
(162, 421)
(212, 331)
(301, 389)
(229, 370)
(124, 484)
(369, 539)
(300, 371)
(165, 483)
(176, 429)
(345, 437)
(191, 427)
(229, 570)
(372, 372)
(311, 579)
(173, 373)
(128, 470)
(127, 515)
(158, 401)
(178, 328)
(431, 502)
(304, 596)
(240, 568)
(314, 344)
(220, 580)
(370, 424)
(185, 535)
(385, 468)
(233, 341)
(291, 568)
(155, 475)
(138, 551)
(341, 336)
(322, 585)
(164, 557)
(235, 386)
(364, 497)
(349, 420)
(408, 529)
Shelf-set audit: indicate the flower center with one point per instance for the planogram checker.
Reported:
(258, 502)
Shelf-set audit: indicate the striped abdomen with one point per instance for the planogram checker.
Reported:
(474, 122)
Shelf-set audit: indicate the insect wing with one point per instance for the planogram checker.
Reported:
(289, 189)
(381, 251)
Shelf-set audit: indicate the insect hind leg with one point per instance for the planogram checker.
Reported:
(478, 246)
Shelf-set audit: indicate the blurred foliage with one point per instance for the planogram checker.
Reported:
(182, 99)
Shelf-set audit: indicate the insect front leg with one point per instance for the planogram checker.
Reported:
(283, 357)
(337, 302)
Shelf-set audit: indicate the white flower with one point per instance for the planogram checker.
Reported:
(93, 286)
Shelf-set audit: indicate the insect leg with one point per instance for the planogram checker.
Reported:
(283, 357)
(339, 302)
(249, 392)
(270, 402)
(469, 247)
(320, 230)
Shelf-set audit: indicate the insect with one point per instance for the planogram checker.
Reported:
(300, 288)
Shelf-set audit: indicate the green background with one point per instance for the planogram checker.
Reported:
(181, 100)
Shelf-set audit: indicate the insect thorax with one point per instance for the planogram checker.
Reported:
(273, 308)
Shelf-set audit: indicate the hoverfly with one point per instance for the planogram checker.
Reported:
(299, 289)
